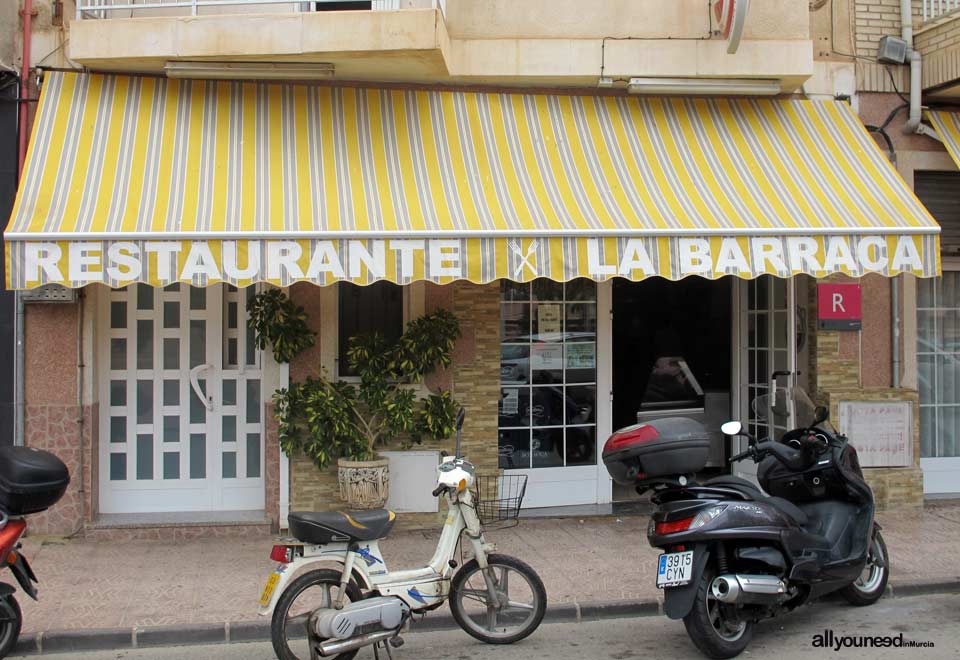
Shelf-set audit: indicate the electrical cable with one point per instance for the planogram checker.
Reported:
(833, 37)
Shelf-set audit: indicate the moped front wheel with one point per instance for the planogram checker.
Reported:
(11, 619)
(512, 613)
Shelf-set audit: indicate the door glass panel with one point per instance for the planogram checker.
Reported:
(229, 428)
(144, 402)
(171, 428)
(144, 457)
(253, 401)
(547, 342)
(253, 455)
(144, 297)
(198, 456)
(198, 411)
(118, 429)
(229, 465)
(144, 344)
(171, 353)
(198, 298)
(171, 314)
(118, 314)
(229, 392)
(118, 467)
(171, 465)
(198, 342)
(171, 392)
(118, 392)
(938, 365)
(118, 354)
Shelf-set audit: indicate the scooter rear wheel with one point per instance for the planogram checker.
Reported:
(869, 587)
(310, 591)
(713, 626)
(11, 619)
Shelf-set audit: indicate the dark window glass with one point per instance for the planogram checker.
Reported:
(377, 308)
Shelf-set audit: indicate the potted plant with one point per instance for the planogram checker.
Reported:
(350, 422)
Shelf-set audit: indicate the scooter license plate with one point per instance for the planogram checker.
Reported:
(268, 589)
(675, 569)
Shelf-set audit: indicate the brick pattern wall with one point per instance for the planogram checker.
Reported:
(876, 18)
(836, 375)
(475, 380)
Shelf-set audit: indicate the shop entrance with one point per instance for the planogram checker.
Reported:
(673, 355)
(181, 412)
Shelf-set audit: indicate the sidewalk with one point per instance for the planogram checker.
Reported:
(86, 585)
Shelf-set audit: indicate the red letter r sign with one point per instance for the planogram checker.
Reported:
(838, 306)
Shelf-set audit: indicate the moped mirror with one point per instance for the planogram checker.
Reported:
(820, 415)
(731, 428)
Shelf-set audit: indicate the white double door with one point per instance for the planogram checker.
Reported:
(181, 406)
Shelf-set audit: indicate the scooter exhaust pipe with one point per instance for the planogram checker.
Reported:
(335, 647)
(748, 589)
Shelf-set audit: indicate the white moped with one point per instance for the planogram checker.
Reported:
(333, 612)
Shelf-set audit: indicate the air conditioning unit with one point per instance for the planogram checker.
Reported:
(892, 50)
(49, 293)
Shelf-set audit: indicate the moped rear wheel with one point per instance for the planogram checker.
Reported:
(872, 582)
(311, 591)
(715, 627)
(517, 610)
(11, 619)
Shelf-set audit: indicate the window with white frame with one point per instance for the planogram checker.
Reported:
(938, 364)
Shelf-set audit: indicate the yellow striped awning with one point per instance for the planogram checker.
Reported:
(154, 180)
(947, 125)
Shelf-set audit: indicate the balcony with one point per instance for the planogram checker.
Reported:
(938, 39)
(547, 43)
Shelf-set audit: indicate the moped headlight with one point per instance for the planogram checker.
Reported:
(707, 515)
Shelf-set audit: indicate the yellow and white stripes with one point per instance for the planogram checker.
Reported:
(947, 125)
(153, 180)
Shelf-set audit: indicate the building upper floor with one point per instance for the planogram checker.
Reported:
(528, 43)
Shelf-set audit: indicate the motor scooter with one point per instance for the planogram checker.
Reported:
(31, 481)
(733, 553)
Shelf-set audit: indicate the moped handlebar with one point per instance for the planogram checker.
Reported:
(438, 490)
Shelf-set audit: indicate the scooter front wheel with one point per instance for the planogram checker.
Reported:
(11, 619)
(513, 614)
(872, 582)
(715, 627)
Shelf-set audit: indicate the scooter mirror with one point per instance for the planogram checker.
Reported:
(820, 415)
(731, 428)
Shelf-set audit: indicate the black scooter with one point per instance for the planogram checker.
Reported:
(734, 555)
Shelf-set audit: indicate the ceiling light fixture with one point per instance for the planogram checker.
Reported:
(703, 87)
(250, 70)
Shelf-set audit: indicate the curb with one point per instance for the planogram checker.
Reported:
(237, 632)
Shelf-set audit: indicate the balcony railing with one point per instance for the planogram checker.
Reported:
(936, 8)
(127, 8)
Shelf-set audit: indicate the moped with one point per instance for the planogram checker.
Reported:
(334, 612)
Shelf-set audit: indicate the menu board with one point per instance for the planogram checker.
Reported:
(881, 431)
(549, 319)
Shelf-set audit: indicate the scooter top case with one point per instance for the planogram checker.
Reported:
(658, 448)
(31, 480)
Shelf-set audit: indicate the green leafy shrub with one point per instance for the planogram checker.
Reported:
(279, 323)
(328, 420)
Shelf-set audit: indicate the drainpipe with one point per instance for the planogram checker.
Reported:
(24, 83)
(916, 68)
(19, 405)
(895, 330)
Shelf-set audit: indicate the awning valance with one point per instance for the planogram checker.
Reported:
(947, 125)
(153, 180)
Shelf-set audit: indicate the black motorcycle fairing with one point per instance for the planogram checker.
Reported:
(6, 590)
(678, 601)
(25, 575)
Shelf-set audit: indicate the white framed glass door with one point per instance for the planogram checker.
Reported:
(548, 389)
(768, 346)
(181, 406)
(938, 379)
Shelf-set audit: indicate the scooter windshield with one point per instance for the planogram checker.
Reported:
(786, 407)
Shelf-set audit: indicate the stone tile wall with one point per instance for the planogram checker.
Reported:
(474, 378)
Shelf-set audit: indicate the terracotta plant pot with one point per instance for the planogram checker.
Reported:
(364, 484)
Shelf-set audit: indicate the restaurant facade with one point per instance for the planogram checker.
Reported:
(611, 257)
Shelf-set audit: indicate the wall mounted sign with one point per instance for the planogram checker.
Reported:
(838, 306)
(731, 15)
(881, 431)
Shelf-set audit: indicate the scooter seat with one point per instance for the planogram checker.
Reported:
(739, 484)
(340, 526)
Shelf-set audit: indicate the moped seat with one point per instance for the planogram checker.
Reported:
(340, 526)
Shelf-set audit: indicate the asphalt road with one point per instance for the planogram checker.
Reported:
(927, 619)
